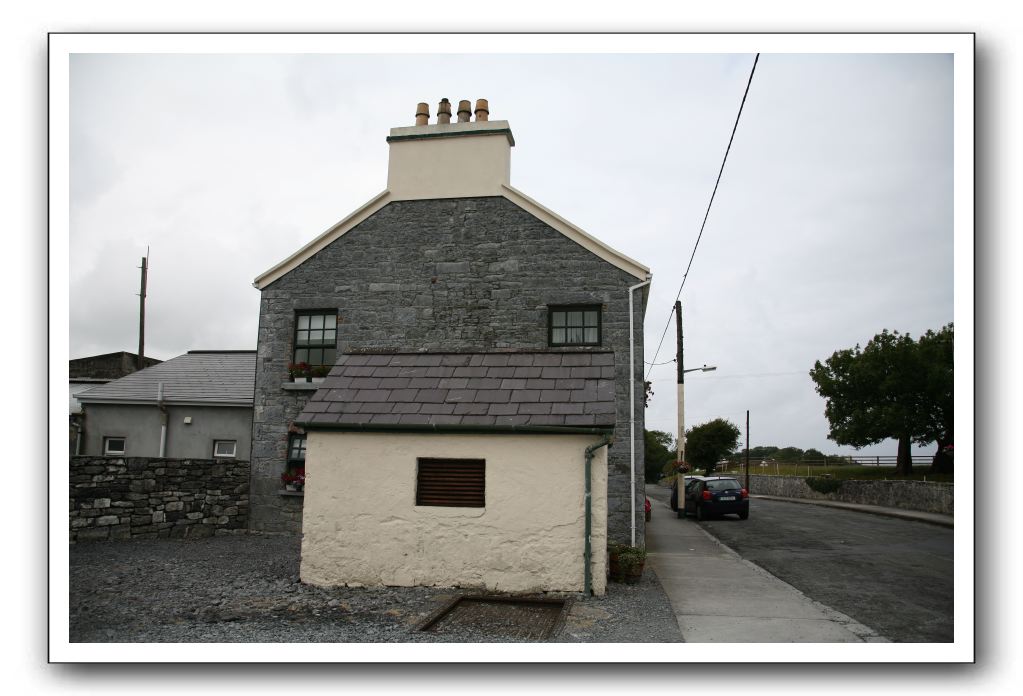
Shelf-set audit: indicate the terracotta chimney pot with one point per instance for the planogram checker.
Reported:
(444, 111)
(482, 110)
(422, 114)
(464, 111)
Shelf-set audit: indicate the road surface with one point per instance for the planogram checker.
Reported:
(892, 575)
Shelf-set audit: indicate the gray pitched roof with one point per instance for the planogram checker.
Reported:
(492, 391)
(198, 377)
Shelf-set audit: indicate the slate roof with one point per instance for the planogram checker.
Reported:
(198, 377)
(486, 391)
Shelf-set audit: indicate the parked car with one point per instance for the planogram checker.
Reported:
(674, 490)
(711, 496)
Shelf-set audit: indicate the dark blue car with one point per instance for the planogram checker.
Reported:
(716, 495)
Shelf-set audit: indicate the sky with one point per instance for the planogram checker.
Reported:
(833, 219)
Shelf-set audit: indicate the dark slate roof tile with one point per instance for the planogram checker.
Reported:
(437, 408)
(550, 389)
(431, 396)
(527, 372)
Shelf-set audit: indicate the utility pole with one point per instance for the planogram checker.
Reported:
(681, 387)
(747, 450)
(142, 314)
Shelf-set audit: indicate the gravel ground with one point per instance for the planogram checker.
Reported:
(245, 589)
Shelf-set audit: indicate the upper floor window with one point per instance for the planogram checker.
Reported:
(577, 325)
(316, 338)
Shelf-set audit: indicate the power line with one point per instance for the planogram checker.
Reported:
(709, 203)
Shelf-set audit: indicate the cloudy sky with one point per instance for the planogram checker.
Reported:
(832, 222)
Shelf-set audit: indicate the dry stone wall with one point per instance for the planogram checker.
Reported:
(926, 496)
(147, 498)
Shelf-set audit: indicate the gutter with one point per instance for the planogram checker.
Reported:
(632, 409)
(455, 428)
(588, 529)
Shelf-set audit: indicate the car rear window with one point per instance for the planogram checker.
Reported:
(723, 485)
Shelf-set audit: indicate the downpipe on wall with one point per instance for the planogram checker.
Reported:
(587, 497)
(632, 409)
(163, 419)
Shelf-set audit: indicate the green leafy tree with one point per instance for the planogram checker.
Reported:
(813, 455)
(789, 454)
(709, 442)
(659, 452)
(894, 387)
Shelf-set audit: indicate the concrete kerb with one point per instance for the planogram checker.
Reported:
(914, 515)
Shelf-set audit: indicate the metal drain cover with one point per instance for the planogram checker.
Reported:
(496, 617)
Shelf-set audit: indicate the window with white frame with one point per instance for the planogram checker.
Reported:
(113, 445)
(225, 448)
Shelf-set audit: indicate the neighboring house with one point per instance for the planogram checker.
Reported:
(460, 469)
(86, 373)
(195, 406)
(450, 259)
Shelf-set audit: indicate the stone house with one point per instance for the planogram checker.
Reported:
(452, 264)
(194, 406)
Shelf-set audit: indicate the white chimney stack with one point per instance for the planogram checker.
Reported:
(450, 160)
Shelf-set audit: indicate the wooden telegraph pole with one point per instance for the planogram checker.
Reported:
(747, 450)
(139, 364)
(681, 386)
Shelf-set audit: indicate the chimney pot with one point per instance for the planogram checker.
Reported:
(464, 110)
(422, 114)
(482, 110)
(444, 111)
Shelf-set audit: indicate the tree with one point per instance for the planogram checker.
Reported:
(658, 450)
(813, 455)
(894, 387)
(707, 443)
(789, 454)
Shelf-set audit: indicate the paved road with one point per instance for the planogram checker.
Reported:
(892, 575)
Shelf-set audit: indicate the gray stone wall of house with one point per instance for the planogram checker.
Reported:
(139, 424)
(469, 274)
(115, 498)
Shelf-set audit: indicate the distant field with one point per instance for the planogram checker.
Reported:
(837, 471)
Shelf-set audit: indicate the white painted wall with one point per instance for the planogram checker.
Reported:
(361, 525)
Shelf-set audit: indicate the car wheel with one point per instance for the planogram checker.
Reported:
(700, 517)
(744, 515)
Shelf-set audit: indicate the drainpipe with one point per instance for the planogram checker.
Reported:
(632, 410)
(163, 418)
(587, 549)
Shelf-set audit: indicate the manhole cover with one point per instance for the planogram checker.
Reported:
(486, 617)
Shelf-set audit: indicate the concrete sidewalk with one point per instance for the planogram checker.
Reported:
(718, 597)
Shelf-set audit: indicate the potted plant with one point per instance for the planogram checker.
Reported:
(294, 480)
(319, 373)
(631, 561)
(299, 372)
(614, 570)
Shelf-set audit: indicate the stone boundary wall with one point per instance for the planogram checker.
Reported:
(148, 497)
(926, 496)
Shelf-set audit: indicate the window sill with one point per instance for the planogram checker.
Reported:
(291, 494)
(301, 386)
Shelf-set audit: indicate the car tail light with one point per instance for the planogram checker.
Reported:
(706, 495)
(745, 493)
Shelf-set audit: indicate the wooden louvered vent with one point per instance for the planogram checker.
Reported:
(451, 482)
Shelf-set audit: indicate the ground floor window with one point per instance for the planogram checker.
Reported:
(451, 482)
(225, 448)
(113, 445)
(294, 472)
